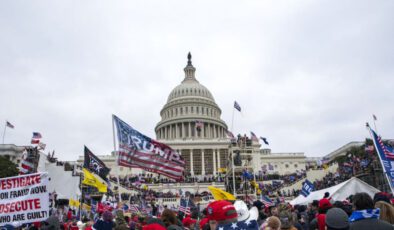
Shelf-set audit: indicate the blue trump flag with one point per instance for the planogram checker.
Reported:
(386, 154)
(307, 188)
(135, 150)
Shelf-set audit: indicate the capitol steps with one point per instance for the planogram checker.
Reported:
(122, 188)
(60, 174)
(312, 175)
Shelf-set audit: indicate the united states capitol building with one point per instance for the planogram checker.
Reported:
(191, 124)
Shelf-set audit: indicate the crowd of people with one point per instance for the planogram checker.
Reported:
(358, 211)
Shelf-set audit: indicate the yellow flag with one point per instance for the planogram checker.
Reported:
(73, 203)
(92, 180)
(219, 194)
(86, 207)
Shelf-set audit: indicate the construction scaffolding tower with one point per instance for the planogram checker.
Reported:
(241, 169)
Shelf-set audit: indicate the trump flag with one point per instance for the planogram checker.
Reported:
(139, 151)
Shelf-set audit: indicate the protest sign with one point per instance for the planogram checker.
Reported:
(24, 199)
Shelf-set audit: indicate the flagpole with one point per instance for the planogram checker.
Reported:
(80, 204)
(117, 157)
(374, 124)
(380, 158)
(5, 127)
(232, 121)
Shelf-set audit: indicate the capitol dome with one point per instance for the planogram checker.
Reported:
(190, 112)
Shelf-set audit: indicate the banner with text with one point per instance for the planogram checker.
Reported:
(24, 199)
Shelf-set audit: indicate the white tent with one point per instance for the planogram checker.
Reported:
(338, 192)
(62, 182)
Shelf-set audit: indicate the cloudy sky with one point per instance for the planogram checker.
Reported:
(307, 74)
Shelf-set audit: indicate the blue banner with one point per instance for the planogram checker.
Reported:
(385, 152)
(307, 188)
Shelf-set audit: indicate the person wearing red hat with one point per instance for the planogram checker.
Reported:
(188, 223)
(324, 206)
(221, 212)
(203, 222)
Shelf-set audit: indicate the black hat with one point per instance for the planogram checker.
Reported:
(337, 218)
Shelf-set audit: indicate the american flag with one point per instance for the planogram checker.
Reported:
(146, 209)
(236, 106)
(386, 155)
(26, 167)
(230, 134)
(254, 137)
(139, 151)
(199, 124)
(267, 201)
(241, 225)
(388, 150)
(184, 207)
(134, 208)
(35, 141)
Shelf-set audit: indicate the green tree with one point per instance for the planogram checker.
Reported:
(7, 167)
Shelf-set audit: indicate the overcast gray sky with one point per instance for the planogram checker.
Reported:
(307, 74)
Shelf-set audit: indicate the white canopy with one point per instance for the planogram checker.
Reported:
(62, 182)
(338, 192)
